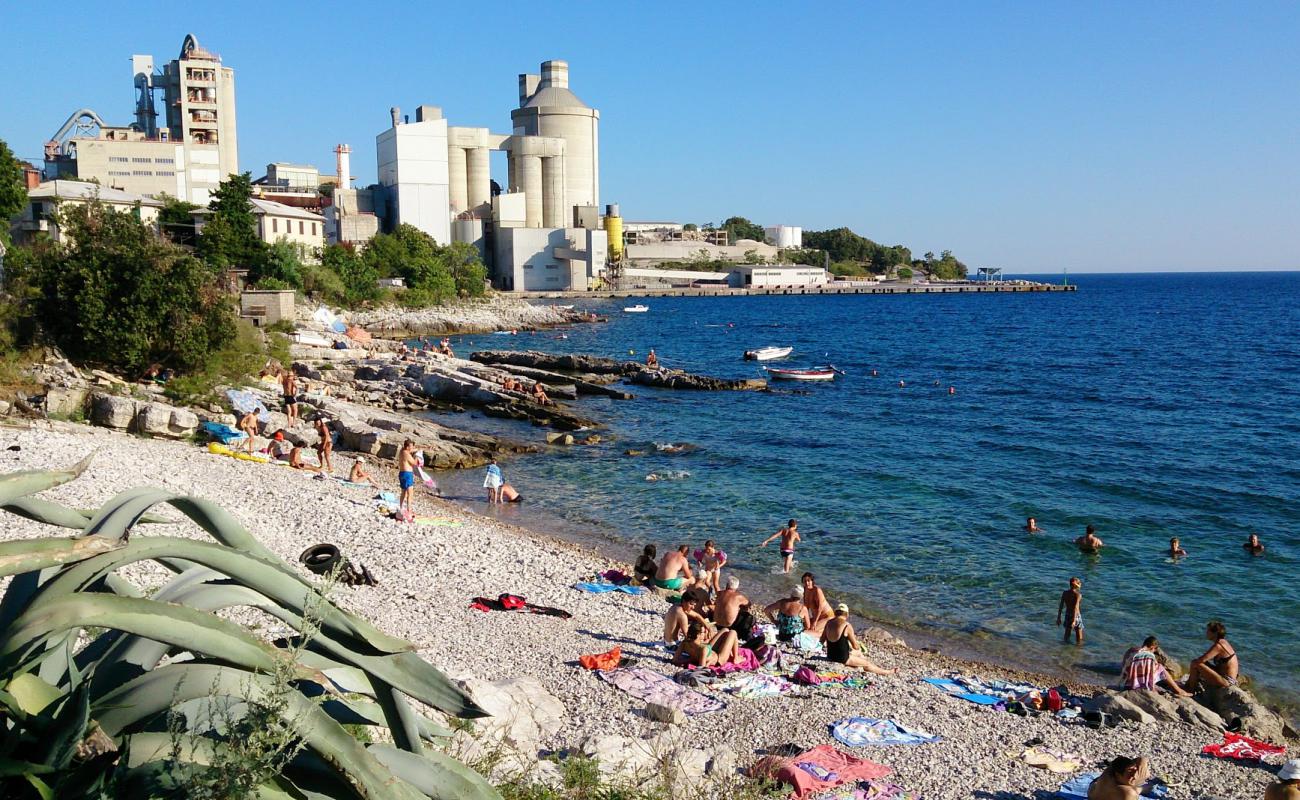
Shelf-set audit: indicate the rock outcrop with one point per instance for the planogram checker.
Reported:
(633, 371)
(675, 379)
(149, 418)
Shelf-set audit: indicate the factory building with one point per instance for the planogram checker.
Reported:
(186, 156)
(544, 231)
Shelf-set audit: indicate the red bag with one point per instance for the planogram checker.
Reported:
(511, 602)
(1054, 701)
(602, 661)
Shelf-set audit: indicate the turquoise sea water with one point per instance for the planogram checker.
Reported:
(1149, 406)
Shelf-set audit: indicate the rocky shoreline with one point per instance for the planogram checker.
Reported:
(496, 313)
(524, 667)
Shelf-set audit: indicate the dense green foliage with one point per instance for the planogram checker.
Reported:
(13, 189)
(844, 245)
(176, 220)
(738, 228)
(280, 262)
(432, 273)
(248, 351)
(114, 293)
(229, 237)
(110, 688)
(358, 278)
(945, 268)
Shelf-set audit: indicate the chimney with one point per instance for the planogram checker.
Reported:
(396, 111)
(555, 73)
(528, 87)
(31, 177)
(343, 165)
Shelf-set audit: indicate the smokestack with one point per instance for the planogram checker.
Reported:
(343, 164)
(555, 73)
(396, 111)
(528, 87)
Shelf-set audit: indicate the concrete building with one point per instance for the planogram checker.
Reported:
(282, 175)
(186, 157)
(277, 222)
(44, 202)
(785, 237)
(544, 231)
(776, 276)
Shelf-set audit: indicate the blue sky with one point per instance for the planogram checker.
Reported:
(1032, 136)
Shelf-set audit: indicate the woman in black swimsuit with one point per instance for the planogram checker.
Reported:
(1216, 667)
(842, 646)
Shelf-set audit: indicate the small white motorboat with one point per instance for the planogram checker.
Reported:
(826, 373)
(768, 353)
(636, 309)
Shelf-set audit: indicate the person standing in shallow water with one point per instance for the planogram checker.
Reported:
(1070, 611)
(1089, 542)
(789, 536)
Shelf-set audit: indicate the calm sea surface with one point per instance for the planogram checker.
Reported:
(1149, 406)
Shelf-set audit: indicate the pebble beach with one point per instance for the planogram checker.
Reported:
(428, 573)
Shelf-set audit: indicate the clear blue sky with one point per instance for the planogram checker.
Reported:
(1033, 136)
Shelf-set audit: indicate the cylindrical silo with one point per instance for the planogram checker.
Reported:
(458, 182)
(553, 191)
(529, 170)
(554, 111)
(614, 231)
(479, 176)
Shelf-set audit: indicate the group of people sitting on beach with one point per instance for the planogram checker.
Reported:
(709, 624)
(538, 392)
(1147, 667)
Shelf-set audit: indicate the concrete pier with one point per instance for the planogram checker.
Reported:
(928, 288)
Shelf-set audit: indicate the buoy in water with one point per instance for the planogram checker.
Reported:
(901, 384)
(874, 373)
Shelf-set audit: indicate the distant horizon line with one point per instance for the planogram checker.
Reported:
(1212, 271)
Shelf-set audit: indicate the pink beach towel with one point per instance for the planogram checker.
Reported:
(824, 767)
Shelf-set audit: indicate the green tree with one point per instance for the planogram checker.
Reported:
(280, 262)
(432, 274)
(229, 238)
(176, 220)
(738, 228)
(115, 293)
(13, 189)
(467, 270)
(358, 276)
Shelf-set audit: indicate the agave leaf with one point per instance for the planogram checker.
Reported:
(155, 691)
(119, 514)
(11, 768)
(20, 484)
(34, 508)
(271, 579)
(401, 719)
(31, 694)
(27, 555)
(436, 775)
(65, 730)
(177, 625)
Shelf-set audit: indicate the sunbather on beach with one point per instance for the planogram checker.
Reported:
(727, 606)
(789, 614)
(681, 616)
(819, 608)
(1122, 780)
(289, 384)
(1253, 545)
(1176, 549)
(789, 536)
(406, 477)
(295, 460)
(1144, 668)
(1216, 667)
(1089, 542)
(1287, 785)
(711, 564)
(674, 570)
(646, 565)
(703, 648)
(1071, 609)
(842, 645)
(248, 424)
(326, 444)
(359, 474)
(540, 396)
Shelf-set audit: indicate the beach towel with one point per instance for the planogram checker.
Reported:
(842, 680)
(1242, 748)
(755, 685)
(868, 790)
(604, 588)
(223, 433)
(607, 660)
(616, 576)
(1052, 760)
(1076, 788)
(864, 732)
(955, 689)
(438, 522)
(244, 402)
(652, 687)
(824, 767)
(513, 602)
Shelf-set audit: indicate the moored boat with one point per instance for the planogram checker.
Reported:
(826, 373)
(636, 309)
(768, 353)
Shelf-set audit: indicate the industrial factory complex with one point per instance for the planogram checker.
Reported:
(540, 227)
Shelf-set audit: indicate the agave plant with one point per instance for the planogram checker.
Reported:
(110, 691)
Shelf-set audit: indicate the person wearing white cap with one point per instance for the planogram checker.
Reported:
(1287, 785)
(359, 474)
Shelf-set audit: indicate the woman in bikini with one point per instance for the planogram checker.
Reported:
(701, 648)
(1216, 667)
(842, 645)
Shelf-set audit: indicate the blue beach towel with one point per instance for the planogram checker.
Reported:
(864, 732)
(223, 433)
(1076, 788)
(603, 588)
(955, 689)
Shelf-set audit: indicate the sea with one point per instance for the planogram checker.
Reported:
(1147, 405)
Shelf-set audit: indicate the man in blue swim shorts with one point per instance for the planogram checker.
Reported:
(406, 477)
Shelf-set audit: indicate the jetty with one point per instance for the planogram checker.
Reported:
(838, 287)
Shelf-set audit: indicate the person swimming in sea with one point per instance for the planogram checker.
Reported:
(1175, 549)
(1253, 545)
(1070, 611)
(1089, 542)
(1031, 525)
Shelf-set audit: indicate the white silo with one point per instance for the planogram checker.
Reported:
(785, 237)
(552, 110)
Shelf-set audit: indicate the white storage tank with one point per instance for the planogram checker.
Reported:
(552, 110)
(786, 237)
